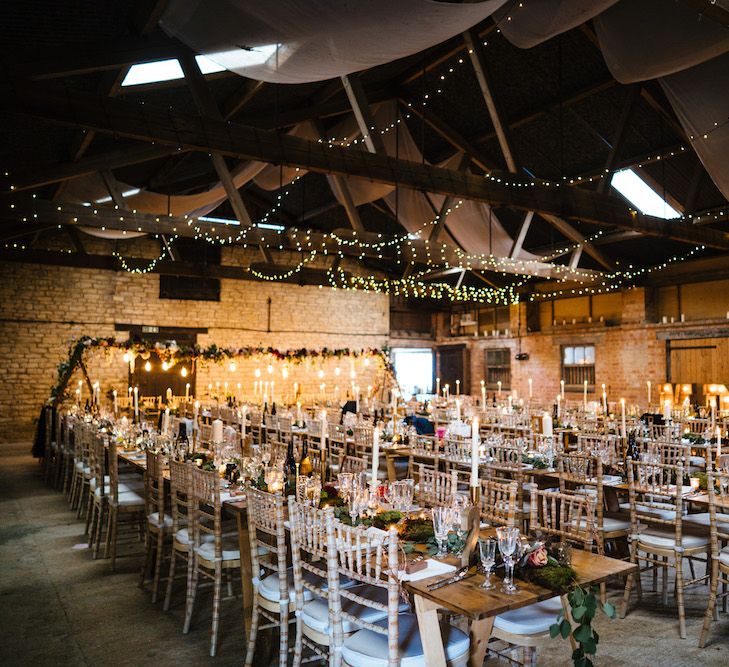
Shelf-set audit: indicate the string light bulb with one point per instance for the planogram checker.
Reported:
(147, 367)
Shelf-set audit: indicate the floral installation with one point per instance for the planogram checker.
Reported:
(170, 350)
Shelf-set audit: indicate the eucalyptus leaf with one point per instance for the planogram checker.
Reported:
(554, 630)
(583, 633)
(609, 610)
(565, 628)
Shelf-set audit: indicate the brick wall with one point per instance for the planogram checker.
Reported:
(43, 308)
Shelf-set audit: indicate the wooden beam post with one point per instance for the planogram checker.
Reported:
(361, 108)
(521, 235)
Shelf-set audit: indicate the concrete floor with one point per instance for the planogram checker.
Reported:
(58, 607)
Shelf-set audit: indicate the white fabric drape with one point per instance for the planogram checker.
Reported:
(649, 39)
(295, 41)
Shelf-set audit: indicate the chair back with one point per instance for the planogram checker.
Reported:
(656, 496)
(308, 549)
(568, 516)
(97, 462)
(267, 535)
(207, 508)
(353, 464)
(498, 502)
(364, 558)
(154, 486)
(434, 487)
(181, 498)
(363, 439)
(718, 491)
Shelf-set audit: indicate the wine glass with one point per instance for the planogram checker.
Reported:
(441, 526)
(487, 551)
(346, 484)
(508, 538)
(359, 499)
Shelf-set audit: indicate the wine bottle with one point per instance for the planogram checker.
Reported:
(273, 408)
(289, 471)
(305, 467)
(632, 450)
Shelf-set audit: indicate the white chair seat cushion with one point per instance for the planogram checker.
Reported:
(165, 524)
(530, 620)
(369, 649)
(79, 465)
(702, 519)
(316, 613)
(269, 586)
(665, 511)
(230, 550)
(655, 537)
(183, 537)
(609, 524)
(123, 489)
(128, 499)
(125, 483)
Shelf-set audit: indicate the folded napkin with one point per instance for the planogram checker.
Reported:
(435, 568)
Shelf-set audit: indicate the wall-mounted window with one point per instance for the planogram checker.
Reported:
(498, 368)
(578, 365)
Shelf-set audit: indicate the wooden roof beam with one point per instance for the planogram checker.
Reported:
(122, 118)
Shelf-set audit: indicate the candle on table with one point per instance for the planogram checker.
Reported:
(604, 399)
(136, 401)
(375, 454)
(336, 393)
(458, 387)
(298, 411)
(166, 422)
(243, 412)
(474, 452)
(458, 410)
(356, 399)
(667, 409)
(624, 430)
(447, 391)
(187, 391)
(437, 386)
(584, 394)
(510, 399)
(561, 389)
(547, 425)
(195, 411)
(530, 387)
(218, 430)
(116, 407)
(168, 394)
(498, 388)
(78, 397)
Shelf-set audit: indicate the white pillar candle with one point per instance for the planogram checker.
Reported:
(166, 421)
(195, 411)
(713, 412)
(448, 391)
(356, 399)
(243, 412)
(168, 394)
(498, 388)
(604, 399)
(375, 453)
(218, 430)
(547, 425)
(561, 389)
(510, 399)
(296, 389)
(483, 396)
(437, 383)
(136, 401)
(667, 410)
(530, 387)
(116, 406)
(624, 430)
(298, 411)
(584, 394)
(474, 452)
(187, 391)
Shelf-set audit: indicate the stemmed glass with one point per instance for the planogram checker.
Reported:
(346, 483)
(441, 526)
(487, 551)
(359, 499)
(508, 538)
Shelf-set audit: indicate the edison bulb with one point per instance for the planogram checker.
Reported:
(285, 372)
(127, 357)
(165, 365)
(321, 374)
(366, 362)
(147, 367)
(337, 371)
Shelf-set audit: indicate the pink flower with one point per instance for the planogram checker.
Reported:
(538, 557)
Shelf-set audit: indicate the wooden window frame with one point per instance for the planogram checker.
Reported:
(505, 383)
(574, 375)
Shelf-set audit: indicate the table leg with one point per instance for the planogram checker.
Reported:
(480, 635)
(245, 568)
(391, 474)
(427, 614)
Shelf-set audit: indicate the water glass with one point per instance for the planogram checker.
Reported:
(508, 538)
(442, 521)
(346, 483)
(487, 551)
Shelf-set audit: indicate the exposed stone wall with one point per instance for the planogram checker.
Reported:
(43, 308)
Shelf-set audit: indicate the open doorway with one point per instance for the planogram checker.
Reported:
(414, 370)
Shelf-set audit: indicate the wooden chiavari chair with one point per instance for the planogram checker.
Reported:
(372, 560)
(336, 446)
(158, 523)
(216, 555)
(363, 439)
(353, 464)
(570, 518)
(272, 582)
(129, 505)
(256, 426)
(657, 532)
(82, 433)
(718, 490)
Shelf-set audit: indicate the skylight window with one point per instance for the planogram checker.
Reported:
(642, 195)
(165, 70)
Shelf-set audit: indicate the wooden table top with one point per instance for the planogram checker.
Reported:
(469, 599)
